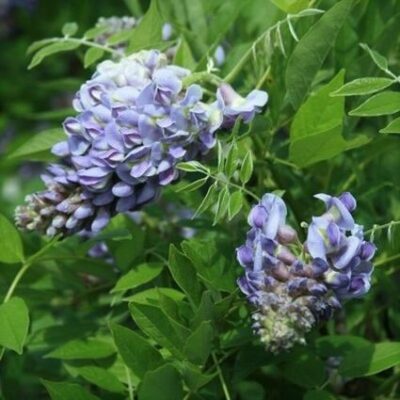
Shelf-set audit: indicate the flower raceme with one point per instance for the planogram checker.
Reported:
(292, 285)
(136, 120)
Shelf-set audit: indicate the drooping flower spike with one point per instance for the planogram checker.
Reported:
(136, 120)
(291, 285)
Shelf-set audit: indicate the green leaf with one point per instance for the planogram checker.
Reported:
(164, 383)
(82, 350)
(251, 390)
(247, 168)
(393, 127)
(119, 37)
(231, 160)
(154, 323)
(370, 361)
(139, 275)
(384, 103)
(39, 143)
(235, 204)
(11, 250)
(316, 132)
(377, 58)
(197, 20)
(100, 377)
(92, 55)
(363, 86)
(134, 7)
(194, 377)
(306, 371)
(67, 391)
(54, 48)
(318, 395)
(207, 202)
(184, 274)
(14, 324)
(125, 252)
(70, 28)
(135, 350)
(291, 6)
(311, 51)
(37, 45)
(151, 296)
(199, 344)
(192, 166)
(184, 56)
(222, 205)
(94, 32)
(148, 32)
(212, 266)
(191, 186)
(340, 345)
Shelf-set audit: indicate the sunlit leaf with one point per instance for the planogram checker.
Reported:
(14, 323)
(393, 127)
(11, 250)
(51, 49)
(39, 142)
(381, 104)
(137, 276)
(363, 86)
(70, 28)
(312, 49)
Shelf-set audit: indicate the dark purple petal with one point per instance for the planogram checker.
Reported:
(348, 200)
(101, 220)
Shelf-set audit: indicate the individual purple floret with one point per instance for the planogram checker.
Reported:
(334, 237)
(136, 120)
(293, 285)
(234, 105)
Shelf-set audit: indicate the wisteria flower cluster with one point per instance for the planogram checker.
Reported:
(294, 285)
(136, 120)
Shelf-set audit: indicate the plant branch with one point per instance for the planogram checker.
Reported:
(221, 378)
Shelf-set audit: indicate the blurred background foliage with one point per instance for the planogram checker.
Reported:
(72, 297)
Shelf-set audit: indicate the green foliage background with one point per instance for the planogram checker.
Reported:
(166, 320)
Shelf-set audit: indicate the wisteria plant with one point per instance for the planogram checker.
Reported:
(210, 208)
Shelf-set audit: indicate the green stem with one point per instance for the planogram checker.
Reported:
(130, 387)
(16, 280)
(221, 378)
(86, 42)
(11, 290)
(263, 78)
(387, 260)
(202, 77)
(234, 185)
(244, 60)
(25, 266)
(380, 227)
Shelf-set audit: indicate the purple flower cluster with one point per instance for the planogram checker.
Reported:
(294, 285)
(136, 120)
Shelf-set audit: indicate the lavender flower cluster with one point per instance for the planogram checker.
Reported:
(294, 285)
(136, 120)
